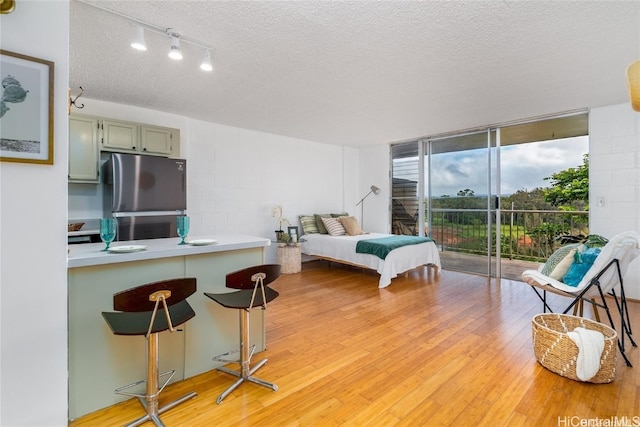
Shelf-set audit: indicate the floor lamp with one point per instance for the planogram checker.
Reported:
(375, 190)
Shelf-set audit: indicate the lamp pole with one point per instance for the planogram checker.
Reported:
(375, 190)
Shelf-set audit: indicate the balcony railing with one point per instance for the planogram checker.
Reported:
(530, 235)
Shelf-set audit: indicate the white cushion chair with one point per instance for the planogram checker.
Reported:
(605, 275)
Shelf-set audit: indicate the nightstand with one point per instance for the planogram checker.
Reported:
(290, 258)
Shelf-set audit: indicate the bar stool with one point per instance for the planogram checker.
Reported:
(253, 293)
(137, 315)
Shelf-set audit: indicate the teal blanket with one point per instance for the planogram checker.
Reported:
(382, 246)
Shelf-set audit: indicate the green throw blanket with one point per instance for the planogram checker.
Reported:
(382, 246)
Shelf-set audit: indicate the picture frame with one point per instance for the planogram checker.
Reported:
(26, 109)
(293, 234)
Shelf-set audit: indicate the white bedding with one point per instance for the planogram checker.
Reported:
(343, 248)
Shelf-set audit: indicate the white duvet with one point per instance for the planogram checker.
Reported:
(343, 248)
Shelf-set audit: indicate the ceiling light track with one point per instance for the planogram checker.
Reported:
(138, 42)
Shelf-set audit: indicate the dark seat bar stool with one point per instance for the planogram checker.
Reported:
(253, 293)
(148, 310)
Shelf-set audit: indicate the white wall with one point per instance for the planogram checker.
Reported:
(33, 241)
(614, 175)
(236, 176)
(374, 170)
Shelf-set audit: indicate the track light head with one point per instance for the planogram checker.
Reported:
(138, 42)
(206, 65)
(174, 50)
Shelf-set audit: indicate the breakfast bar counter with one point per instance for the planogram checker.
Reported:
(100, 362)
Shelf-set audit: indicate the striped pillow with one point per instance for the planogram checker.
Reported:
(309, 224)
(334, 227)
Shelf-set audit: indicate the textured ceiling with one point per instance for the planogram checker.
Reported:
(360, 73)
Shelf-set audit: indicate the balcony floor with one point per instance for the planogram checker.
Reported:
(477, 264)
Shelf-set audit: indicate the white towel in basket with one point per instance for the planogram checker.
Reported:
(590, 345)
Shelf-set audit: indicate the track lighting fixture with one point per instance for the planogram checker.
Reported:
(138, 41)
(174, 50)
(176, 38)
(206, 65)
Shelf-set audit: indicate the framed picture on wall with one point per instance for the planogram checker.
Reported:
(293, 234)
(26, 109)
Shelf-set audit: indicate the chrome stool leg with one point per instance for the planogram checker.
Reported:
(246, 351)
(149, 400)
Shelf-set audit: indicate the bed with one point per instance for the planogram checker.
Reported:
(342, 249)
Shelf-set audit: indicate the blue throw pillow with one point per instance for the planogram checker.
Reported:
(582, 264)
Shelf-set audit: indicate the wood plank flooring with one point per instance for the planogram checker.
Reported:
(447, 350)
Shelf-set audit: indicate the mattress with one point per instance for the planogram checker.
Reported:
(343, 249)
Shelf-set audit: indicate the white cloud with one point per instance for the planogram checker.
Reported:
(523, 166)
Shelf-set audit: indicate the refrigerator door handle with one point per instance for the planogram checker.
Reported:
(148, 213)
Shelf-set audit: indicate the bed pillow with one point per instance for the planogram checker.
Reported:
(309, 225)
(340, 214)
(351, 225)
(560, 261)
(322, 229)
(582, 263)
(333, 226)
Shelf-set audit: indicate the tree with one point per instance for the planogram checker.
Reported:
(527, 200)
(570, 188)
(467, 192)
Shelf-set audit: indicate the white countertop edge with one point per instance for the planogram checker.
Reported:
(90, 254)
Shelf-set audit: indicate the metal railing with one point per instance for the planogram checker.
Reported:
(530, 235)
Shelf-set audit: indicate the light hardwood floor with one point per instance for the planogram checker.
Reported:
(426, 351)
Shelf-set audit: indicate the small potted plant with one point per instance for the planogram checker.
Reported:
(276, 212)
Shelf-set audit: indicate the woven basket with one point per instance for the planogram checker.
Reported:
(558, 353)
(75, 226)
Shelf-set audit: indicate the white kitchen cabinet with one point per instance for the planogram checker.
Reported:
(119, 136)
(155, 140)
(84, 153)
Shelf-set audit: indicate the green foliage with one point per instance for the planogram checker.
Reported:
(570, 187)
(527, 200)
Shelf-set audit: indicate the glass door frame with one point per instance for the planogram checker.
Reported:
(492, 206)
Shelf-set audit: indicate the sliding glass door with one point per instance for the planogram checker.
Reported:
(450, 188)
(459, 171)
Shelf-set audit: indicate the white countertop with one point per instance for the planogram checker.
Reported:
(88, 254)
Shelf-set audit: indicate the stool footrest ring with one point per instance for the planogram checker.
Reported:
(222, 357)
(138, 395)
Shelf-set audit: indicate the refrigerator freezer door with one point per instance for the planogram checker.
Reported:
(146, 227)
(146, 183)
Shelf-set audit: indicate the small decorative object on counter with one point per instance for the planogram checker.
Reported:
(108, 227)
(182, 226)
(75, 226)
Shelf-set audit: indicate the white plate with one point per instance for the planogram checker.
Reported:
(202, 242)
(129, 248)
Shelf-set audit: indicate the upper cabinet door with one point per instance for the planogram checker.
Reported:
(155, 140)
(84, 153)
(119, 136)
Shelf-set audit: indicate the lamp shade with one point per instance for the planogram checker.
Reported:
(633, 77)
(174, 50)
(138, 42)
(206, 65)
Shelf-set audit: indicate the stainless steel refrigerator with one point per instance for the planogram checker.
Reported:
(145, 194)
